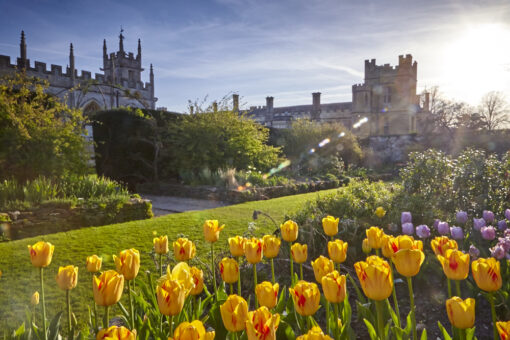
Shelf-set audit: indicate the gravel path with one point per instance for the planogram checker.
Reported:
(164, 205)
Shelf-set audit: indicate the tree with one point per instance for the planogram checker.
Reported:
(39, 135)
(494, 110)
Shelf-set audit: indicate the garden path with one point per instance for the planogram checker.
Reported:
(164, 205)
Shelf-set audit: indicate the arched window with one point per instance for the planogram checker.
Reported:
(92, 106)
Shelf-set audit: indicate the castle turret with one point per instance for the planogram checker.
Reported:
(23, 51)
(121, 42)
(235, 102)
(316, 105)
(139, 54)
(71, 61)
(105, 52)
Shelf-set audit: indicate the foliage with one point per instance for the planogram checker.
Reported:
(39, 134)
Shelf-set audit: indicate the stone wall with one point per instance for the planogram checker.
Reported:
(383, 150)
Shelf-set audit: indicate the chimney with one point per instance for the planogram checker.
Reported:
(426, 103)
(269, 103)
(23, 50)
(215, 107)
(316, 100)
(235, 101)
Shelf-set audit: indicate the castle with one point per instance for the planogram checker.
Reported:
(119, 85)
(386, 101)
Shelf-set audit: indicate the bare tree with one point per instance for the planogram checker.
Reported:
(494, 110)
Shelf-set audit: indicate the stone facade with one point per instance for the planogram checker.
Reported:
(120, 84)
(387, 100)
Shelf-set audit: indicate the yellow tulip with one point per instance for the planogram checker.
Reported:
(314, 334)
(181, 273)
(234, 313)
(128, 263)
(503, 329)
(34, 300)
(198, 280)
(193, 330)
(375, 277)
(212, 230)
(441, 244)
(262, 325)
(330, 225)
(408, 261)
(306, 297)
(170, 295)
(161, 245)
(253, 250)
(267, 294)
(337, 250)
(322, 266)
(41, 254)
(365, 246)
(94, 263)
(236, 245)
(334, 287)
(455, 264)
(289, 231)
(67, 277)
(393, 244)
(375, 237)
(116, 333)
(299, 252)
(487, 274)
(380, 212)
(184, 249)
(229, 270)
(108, 288)
(271, 246)
(461, 312)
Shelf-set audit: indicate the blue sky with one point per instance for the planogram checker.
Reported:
(287, 48)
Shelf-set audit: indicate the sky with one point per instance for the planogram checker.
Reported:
(206, 50)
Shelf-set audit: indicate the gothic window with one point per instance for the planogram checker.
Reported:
(366, 98)
(131, 75)
(387, 95)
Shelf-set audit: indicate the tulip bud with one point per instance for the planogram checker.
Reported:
(236, 245)
(334, 287)
(408, 261)
(192, 330)
(337, 250)
(271, 246)
(314, 334)
(406, 217)
(502, 225)
(212, 230)
(94, 263)
(267, 294)
(488, 216)
(503, 329)
(161, 245)
(262, 325)
(181, 273)
(116, 333)
(229, 270)
(330, 225)
(41, 254)
(507, 214)
(461, 217)
(170, 295)
(461, 313)
(498, 251)
(443, 228)
(375, 237)
(34, 300)
(474, 252)
(455, 264)
(422, 231)
(487, 275)
(488, 233)
(457, 233)
(128, 263)
(408, 228)
(306, 297)
(198, 280)
(234, 313)
(289, 231)
(253, 250)
(67, 277)
(322, 266)
(436, 223)
(380, 212)
(365, 246)
(184, 249)
(375, 277)
(299, 252)
(441, 244)
(108, 288)
(478, 223)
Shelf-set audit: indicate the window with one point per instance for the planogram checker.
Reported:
(387, 95)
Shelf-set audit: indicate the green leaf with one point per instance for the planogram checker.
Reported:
(423, 335)
(125, 314)
(371, 330)
(443, 331)
(409, 323)
(20, 331)
(280, 306)
(54, 327)
(470, 333)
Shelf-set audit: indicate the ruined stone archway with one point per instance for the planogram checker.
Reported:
(91, 107)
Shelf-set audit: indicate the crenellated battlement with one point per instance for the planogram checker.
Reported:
(405, 66)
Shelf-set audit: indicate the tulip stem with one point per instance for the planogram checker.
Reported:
(413, 311)
(131, 304)
(272, 270)
(380, 323)
(462, 333)
(327, 318)
(309, 323)
(171, 323)
(68, 298)
(231, 289)
(377, 252)
(335, 313)
(395, 300)
(43, 304)
(301, 271)
(457, 287)
(291, 265)
(449, 288)
(160, 265)
(255, 284)
(96, 328)
(106, 320)
(213, 270)
(239, 278)
(493, 314)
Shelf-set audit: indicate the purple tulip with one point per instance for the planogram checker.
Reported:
(488, 216)
(408, 228)
(478, 223)
(406, 217)
(505, 243)
(507, 214)
(443, 228)
(462, 217)
(422, 231)
(507, 233)
(436, 223)
(502, 225)
(498, 252)
(488, 233)
(474, 252)
(457, 233)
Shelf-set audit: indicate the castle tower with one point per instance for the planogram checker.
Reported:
(22, 61)
(72, 72)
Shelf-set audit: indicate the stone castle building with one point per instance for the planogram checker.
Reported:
(120, 84)
(386, 100)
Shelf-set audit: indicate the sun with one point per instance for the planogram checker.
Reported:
(477, 61)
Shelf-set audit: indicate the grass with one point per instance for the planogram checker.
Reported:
(20, 279)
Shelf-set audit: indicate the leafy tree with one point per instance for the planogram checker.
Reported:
(39, 134)
(494, 110)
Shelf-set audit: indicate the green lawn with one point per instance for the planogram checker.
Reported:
(20, 279)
